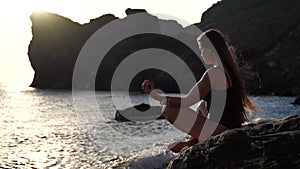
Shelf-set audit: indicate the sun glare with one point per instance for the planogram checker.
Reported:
(15, 24)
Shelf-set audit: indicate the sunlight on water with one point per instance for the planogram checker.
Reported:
(40, 128)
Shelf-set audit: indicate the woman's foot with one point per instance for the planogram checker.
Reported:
(177, 146)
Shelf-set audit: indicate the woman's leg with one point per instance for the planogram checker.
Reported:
(189, 121)
(192, 123)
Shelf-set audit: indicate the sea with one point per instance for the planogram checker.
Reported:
(45, 129)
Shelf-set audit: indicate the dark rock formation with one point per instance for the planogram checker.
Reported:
(296, 101)
(55, 46)
(267, 35)
(266, 144)
(57, 42)
(141, 112)
(130, 11)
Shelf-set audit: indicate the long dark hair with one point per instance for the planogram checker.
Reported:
(228, 59)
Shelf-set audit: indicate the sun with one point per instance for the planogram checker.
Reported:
(19, 9)
(15, 33)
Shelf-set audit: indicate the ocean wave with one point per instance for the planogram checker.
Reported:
(157, 157)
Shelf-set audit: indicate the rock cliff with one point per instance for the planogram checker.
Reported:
(55, 45)
(57, 42)
(265, 33)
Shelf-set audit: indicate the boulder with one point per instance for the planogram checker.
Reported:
(141, 112)
(264, 144)
(297, 101)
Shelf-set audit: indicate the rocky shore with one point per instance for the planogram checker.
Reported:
(260, 144)
(264, 144)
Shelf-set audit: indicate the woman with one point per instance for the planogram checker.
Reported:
(222, 77)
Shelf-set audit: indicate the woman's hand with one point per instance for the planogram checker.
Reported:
(148, 86)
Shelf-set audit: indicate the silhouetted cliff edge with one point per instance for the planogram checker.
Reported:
(55, 46)
(266, 34)
(57, 42)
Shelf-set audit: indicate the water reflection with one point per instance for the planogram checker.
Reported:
(39, 128)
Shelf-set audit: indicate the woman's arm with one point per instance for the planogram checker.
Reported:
(198, 92)
(213, 78)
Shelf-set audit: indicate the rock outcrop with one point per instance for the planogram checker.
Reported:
(141, 112)
(296, 101)
(55, 46)
(57, 42)
(265, 144)
(267, 35)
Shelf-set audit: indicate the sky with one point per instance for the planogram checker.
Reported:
(15, 25)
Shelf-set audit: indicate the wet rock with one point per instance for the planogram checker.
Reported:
(141, 112)
(266, 144)
(297, 101)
